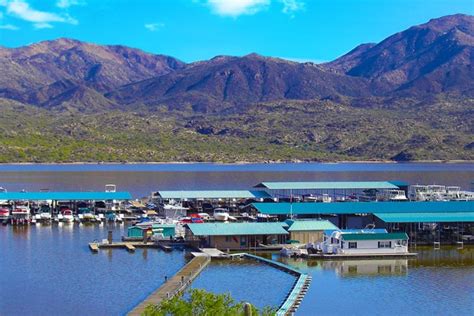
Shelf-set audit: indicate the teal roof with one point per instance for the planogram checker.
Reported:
(164, 226)
(236, 229)
(303, 225)
(213, 194)
(338, 185)
(426, 217)
(374, 236)
(65, 196)
(309, 208)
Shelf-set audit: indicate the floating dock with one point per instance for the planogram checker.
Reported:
(177, 284)
(129, 246)
(298, 291)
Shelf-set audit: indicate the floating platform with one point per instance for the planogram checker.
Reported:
(360, 256)
(214, 253)
(299, 289)
(129, 246)
(177, 284)
(94, 247)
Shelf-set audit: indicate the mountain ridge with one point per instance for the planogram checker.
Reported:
(409, 97)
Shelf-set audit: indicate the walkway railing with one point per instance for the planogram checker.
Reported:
(298, 291)
(177, 284)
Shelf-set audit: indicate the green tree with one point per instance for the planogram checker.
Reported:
(203, 303)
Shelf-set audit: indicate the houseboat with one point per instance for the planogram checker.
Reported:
(364, 243)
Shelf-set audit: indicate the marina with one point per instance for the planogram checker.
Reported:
(290, 222)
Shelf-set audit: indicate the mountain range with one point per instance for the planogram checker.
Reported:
(424, 73)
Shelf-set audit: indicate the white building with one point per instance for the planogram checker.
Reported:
(364, 242)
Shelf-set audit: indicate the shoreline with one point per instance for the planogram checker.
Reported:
(242, 162)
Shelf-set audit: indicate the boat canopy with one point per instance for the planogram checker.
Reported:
(64, 196)
(327, 185)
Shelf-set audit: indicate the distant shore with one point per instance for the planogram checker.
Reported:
(239, 162)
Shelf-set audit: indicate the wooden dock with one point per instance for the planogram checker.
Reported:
(129, 246)
(177, 284)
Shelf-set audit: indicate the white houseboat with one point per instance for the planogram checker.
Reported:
(364, 243)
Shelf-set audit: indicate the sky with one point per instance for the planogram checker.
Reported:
(300, 30)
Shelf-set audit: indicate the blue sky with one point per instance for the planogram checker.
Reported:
(316, 30)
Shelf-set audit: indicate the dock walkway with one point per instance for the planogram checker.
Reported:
(298, 291)
(177, 284)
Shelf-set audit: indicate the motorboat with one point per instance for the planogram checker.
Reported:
(67, 216)
(292, 251)
(20, 215)
(4, 213)
(204, 216)
(86, 215)
(392, 195)
(110, 216)
(146, 222)
(221, 214)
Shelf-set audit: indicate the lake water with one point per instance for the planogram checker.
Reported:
(141, 179)
(48, 270)
(437, 282)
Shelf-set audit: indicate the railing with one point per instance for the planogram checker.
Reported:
(293, 299)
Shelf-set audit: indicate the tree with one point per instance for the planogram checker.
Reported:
(203, 303)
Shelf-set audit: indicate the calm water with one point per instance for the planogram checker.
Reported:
(438, 282)
(140, 180)
(247, 281)
(50, 271)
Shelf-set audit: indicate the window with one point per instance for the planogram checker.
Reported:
(352, 244)
(227, 239)
(385, 244)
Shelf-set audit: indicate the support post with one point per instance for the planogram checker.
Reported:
(109, 237)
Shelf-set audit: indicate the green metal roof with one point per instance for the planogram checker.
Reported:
(374, 236)
(426, 217)
(236, 229)
(164, 226)
(339, 185)
(302, 225)
(64, 196)
(213, 194)
(309, 208)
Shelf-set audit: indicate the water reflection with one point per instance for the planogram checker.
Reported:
(351, 268)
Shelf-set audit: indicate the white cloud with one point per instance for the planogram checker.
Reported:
(63, 4)
(40, 19)
(153, 27)
(291, 6)
(42, 26)
(237, 7)
(9, 27)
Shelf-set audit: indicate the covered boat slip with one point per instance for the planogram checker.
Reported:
(308, 209)
(336, 190)
(76, 200)
(210, 194)
(64, 196)
(208, 200)
(425, 222)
